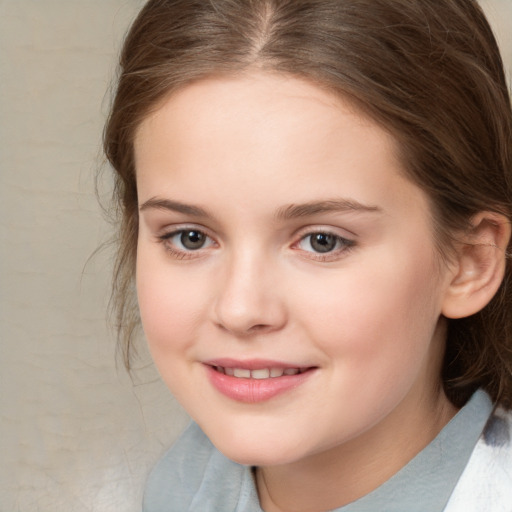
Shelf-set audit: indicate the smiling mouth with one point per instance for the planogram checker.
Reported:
(259, 374)
(256, 381)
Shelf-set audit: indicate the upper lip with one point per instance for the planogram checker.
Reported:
(254, 364)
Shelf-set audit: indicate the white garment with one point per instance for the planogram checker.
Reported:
(486, 483)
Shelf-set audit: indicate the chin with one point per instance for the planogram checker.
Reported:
(257, 455)
(253, 449)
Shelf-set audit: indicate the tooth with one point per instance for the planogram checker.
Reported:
(276, 372)
(229, 371)
(291, 371)
(219, 369)
(260, 374)
(242, 373)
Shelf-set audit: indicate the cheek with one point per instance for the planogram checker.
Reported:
(171, 308)
(382, 313)
(169, 303)
(375, 330)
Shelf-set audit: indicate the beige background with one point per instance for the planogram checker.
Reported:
(76, 434)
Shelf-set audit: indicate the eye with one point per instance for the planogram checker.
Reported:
(191, 239)
(324, 242)
(186, 240)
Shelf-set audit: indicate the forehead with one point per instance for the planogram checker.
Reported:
(264, 137)
(253, 100)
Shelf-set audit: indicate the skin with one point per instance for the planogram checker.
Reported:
(366, 315)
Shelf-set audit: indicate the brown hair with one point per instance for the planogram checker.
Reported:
(429, 71)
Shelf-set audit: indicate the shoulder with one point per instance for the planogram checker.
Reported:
(193, 476)
(486, 483)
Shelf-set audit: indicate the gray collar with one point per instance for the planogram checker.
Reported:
(428, 480)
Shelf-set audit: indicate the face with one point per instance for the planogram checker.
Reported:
(287, 277)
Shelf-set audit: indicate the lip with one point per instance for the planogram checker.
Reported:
(250, 390)
(252, 364)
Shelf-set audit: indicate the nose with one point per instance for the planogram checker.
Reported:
(249, 299)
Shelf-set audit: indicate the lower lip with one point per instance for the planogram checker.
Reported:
(255, 390)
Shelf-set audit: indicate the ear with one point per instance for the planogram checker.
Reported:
(479, 265)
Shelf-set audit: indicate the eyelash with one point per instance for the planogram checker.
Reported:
(342, 245)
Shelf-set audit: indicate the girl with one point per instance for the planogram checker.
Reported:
(316, 200)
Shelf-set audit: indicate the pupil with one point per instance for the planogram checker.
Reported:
(192, 239)
(323, 242)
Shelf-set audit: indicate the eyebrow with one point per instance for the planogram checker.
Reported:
(174, 206)
(292, 211)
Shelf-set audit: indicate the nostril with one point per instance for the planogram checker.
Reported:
(258, 327)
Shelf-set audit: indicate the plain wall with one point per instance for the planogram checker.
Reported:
(76, 434)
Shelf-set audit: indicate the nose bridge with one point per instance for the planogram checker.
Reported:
(248, 300)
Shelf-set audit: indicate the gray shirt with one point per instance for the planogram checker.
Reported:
(195, 477)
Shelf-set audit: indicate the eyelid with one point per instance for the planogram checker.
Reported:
(322, 228)
(170, 230)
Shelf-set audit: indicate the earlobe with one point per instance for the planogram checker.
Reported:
(480, 265)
